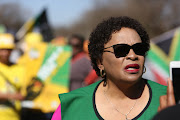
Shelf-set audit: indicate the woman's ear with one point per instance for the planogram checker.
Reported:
(100, 65)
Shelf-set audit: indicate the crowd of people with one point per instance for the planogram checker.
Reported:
(105, 81)
(17, 73)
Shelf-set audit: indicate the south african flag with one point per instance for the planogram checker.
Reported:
(160, 55)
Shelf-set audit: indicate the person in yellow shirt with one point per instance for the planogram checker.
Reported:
(11, 81)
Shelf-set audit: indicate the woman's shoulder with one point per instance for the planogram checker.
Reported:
(79, 98)
(156, 88)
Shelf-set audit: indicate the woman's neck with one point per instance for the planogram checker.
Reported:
(125, 90)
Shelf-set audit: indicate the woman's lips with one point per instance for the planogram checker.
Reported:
(132, 68)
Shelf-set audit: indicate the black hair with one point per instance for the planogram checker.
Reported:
(78, 37)
(103, 33)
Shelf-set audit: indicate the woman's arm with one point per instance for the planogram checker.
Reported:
(57, 114)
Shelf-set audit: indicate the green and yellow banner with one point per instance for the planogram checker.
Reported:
(48, 68)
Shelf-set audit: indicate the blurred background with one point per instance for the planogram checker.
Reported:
(67, 17)
(43, 48)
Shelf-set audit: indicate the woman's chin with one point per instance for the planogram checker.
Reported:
(132, 79)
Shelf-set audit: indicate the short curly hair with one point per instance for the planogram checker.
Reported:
(103, 33)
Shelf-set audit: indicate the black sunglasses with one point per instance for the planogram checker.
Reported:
(121, 50)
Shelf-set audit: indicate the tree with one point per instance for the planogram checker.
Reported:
(157, 16)
(12, 16)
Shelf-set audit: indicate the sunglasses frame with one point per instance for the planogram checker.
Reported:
(146, 48)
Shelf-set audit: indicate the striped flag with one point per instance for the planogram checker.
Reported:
(175, 47)
(157, 61)
(38, 24)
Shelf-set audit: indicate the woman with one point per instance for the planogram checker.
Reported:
(117, 49)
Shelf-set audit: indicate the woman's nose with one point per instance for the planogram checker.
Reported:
(132, 55)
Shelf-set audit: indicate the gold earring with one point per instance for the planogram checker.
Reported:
(105, 83)
(102, 73)
(144, 69)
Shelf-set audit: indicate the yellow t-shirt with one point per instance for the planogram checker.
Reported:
(9, 110)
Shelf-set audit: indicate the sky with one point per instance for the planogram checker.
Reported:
(60, 12)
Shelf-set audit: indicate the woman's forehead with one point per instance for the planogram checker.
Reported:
(125, 35)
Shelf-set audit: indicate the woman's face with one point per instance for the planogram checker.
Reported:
(128, 68)
(76, 46)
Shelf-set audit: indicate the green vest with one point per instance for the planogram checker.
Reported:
(79, 104)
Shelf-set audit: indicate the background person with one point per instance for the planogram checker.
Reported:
(80, 64)
(117, 49)
(34, 51)
(11, 81)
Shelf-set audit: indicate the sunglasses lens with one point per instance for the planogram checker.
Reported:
(140, 48)
(121, 50)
